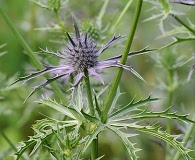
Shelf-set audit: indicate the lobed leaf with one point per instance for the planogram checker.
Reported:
(156, 131)
(150, 114)
(70, 112)
(44, 129)
(178, 40)
(91, 137)
(132, 106)
(124, 137)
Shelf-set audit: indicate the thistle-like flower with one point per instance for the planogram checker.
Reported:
(81, 54)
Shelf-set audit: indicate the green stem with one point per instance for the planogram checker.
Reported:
(183, 23)
(94, 145)
(31, 54)
(89, 94)
(169, 104)
(115, 84)
(94, 149)
(62, 28)
(185, 139)
(10, 143)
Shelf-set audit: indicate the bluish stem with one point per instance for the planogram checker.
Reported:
(115, 84)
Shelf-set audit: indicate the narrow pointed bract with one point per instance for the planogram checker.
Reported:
(81, 54)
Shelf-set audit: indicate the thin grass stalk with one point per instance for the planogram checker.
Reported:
(115, 84)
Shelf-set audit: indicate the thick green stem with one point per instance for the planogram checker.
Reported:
(31, 54)
(183, 23)
(94, 149)
(94, 145)
(115, 84)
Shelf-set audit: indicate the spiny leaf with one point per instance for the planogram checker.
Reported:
(131, 106)
(43, 129)
(52, 5)
(137, 74)
(150, 114)
(78, 105)
(178, 40)
(97, 107)
(101, 92)
(89, 117)
(156, 131)
(70, 112)
(124, 137)
(175, 31)
(92, 136)
(49, 80)
(113, 106)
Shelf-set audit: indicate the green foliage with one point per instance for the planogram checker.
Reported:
(70, 129)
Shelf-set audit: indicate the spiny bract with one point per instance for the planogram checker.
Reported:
(81, 54)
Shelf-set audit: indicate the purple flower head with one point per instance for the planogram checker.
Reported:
(81, 54)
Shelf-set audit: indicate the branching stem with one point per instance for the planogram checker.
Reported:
(183, 23)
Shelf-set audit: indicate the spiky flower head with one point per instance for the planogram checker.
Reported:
(81, 54)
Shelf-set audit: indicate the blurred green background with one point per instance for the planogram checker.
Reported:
(16, 118)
